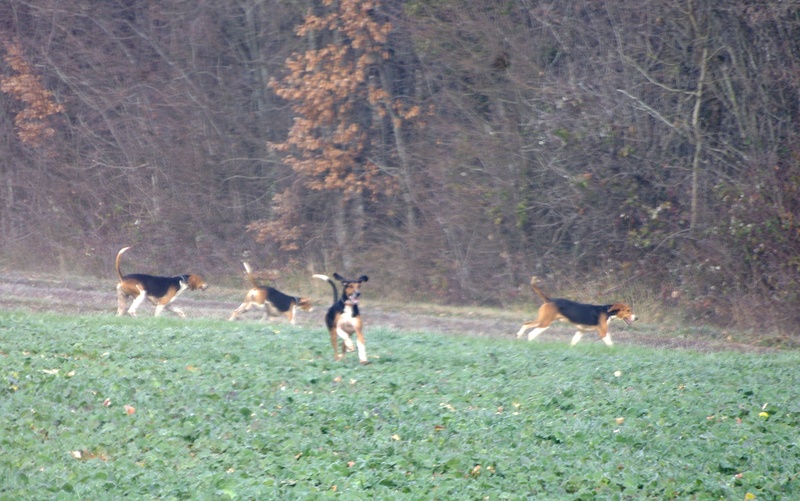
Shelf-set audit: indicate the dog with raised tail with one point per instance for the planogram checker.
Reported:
(586, 317)
(270, 299)
(344, 318)
(161, 291)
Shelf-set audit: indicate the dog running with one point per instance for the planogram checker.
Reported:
(586, 317)
(343, 317)
(270, 299)
(161, 291)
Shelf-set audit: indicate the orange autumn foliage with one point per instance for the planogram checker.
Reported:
(333, 90)
(33, 120)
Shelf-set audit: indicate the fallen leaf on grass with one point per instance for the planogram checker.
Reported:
(396, 437)
(620, 420)
(50, 371)
(87, 455)
(129, 409)
(107, 402)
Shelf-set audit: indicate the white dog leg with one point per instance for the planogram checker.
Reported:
(346, 338)
(535, 332)
(362, 352)
(136, 302)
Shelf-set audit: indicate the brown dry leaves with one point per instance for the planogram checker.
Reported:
(33, 120)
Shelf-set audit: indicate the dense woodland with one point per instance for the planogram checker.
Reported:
(448, 148)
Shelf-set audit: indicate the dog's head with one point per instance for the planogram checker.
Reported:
(623, 312)
(305, 303)
(351, 289)
(196, 282)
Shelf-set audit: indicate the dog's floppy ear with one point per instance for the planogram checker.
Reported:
(362, 278)
(616, 308)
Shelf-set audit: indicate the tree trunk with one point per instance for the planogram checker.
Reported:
(697, 133)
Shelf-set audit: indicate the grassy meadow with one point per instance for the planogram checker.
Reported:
(100, 407)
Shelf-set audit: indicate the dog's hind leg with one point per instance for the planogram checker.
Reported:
(532, 334)
(524, 327)
(576, 338)
(122, 301)
(535, 332)
(136, 302)
(544, 318)
(335, 344)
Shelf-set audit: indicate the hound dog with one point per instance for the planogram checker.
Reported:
(343, 317)
(586, 317)
(161, 291)
(270, 299)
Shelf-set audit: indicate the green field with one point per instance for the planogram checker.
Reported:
(100, 407)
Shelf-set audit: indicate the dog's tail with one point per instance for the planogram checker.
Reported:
(333, 285)
(538, 290)
(249, 273)
(116, 263)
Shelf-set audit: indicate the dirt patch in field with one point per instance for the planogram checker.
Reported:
(93, 297)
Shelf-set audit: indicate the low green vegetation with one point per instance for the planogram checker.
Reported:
(99, 407)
